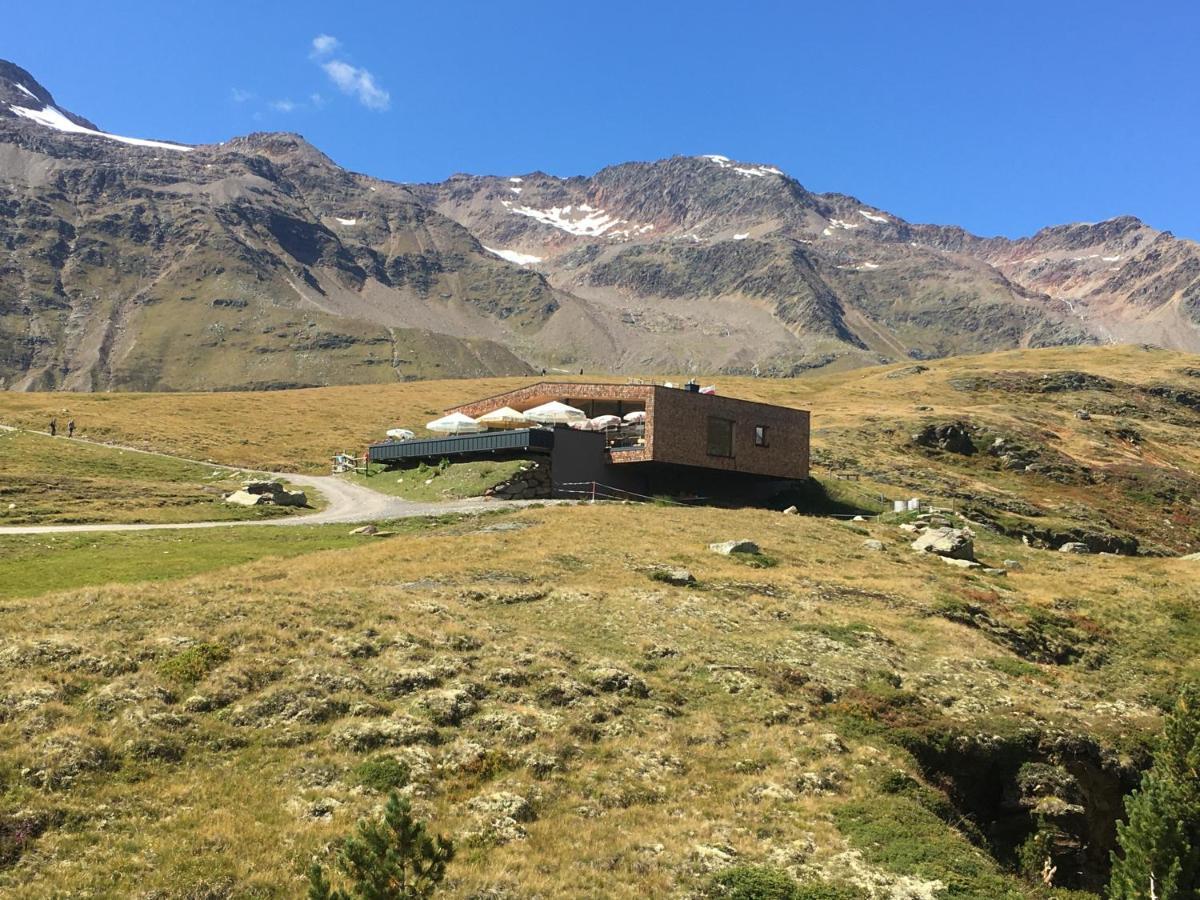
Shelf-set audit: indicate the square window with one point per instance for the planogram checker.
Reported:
(760, 435)
(720, 436)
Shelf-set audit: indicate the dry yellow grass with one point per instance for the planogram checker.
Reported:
(301, 429)
(548, 628)
(641, 734)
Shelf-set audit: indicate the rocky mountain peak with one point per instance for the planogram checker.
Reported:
(178, 270)
(23, 100)
(279, 145)
(19, 90)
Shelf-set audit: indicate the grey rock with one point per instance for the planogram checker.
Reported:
(727, 547)
(262, 487)
(953, 437)
(245, 498)
(954, 543)
(1074, 547)
(677, 576)
(999, 573)
(960, 563)
(872, 545)
(791, 511)
(1013, 565)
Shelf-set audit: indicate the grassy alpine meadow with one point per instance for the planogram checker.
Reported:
(56, 481)
(580, 727)
(586, 698)
(446, 481)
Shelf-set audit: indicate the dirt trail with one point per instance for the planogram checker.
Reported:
(346, 501)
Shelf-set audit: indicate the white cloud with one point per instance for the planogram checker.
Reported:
(324, 44)
(240, 96)
(358, 83)
(283, 106)
(316, 100)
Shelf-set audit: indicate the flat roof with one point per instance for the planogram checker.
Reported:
(463, 444)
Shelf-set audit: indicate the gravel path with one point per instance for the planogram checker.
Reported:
(346, 503)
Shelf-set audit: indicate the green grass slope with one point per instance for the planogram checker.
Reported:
(46, 481)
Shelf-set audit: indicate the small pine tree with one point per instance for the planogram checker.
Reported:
(395, 859)
(1160, 838)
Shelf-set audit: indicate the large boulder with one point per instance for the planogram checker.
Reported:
(727, 547)
(953, 437)
(245, 498)
(289, 498)
(262, 487)
(262, 493)
(954, 543)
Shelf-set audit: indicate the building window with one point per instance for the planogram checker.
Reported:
(760, 435)
(720, 436)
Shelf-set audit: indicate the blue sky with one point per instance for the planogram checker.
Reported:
(1001, 117)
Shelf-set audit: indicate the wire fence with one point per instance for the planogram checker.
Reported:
(594, 490)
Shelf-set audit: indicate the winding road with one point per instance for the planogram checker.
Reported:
(346, 503)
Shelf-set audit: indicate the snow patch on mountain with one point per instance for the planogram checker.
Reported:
(839, 223)
(27, 91)
(872, 217)
(592, 223)
(513, 256)
(342, 221)
(52, 117)
(630, 232)
(725, 162)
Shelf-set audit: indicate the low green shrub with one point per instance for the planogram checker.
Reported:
(772, 883)
(189, 666)
(382, 773)
(753, 883)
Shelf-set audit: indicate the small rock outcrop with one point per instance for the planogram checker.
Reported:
(1074, 547)
(953, 543)
(266, 493)
(953, 437)
(727, 547)
(673, 575)
(531, 482)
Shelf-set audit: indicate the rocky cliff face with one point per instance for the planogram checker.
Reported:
(257, 263)
(141, 264)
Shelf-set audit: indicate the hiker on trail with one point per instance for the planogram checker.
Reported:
(53, 427)
(71, 428)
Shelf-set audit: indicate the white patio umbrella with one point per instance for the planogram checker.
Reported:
(638, 415)
(601, 422)
(555, 413)
(456, 423)
(400, 434)
(504, 417)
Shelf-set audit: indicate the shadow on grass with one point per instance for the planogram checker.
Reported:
(814, 497)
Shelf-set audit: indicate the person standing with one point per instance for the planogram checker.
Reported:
(53, 427)
(70, 428)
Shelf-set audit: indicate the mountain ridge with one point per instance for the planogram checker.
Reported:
(128, 263)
